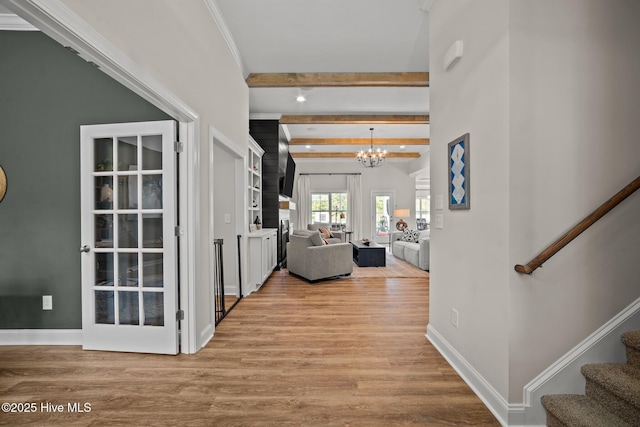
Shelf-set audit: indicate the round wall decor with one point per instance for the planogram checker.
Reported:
(3, 183)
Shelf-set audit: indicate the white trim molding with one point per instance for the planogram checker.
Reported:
(226, 34)
(481, 387)
(564, 376)
(60, 23)
(41, 337)
(11, 22)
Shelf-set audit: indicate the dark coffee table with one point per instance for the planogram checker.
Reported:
(372, 255)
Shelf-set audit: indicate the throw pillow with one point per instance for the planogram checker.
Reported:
(316, 239)
(325, 233)
(410, 236)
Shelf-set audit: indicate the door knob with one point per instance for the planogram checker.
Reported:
(85, 248)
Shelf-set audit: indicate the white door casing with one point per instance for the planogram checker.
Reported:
(128, 221)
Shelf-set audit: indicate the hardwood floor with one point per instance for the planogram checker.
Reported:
(345, 352)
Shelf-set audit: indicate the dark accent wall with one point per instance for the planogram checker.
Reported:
(46, 94)
(275, 146)
(266, 134)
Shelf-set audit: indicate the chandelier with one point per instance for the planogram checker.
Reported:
(371, 159)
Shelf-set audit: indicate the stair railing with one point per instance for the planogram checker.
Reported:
(563, 241)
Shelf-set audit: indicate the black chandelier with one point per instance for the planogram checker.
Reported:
(371, 159)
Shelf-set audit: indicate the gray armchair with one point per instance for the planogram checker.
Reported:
(310, 258)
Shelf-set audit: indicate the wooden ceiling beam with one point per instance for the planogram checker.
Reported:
(354, 119)
(350, 155)
(359, 141)
(413, 79)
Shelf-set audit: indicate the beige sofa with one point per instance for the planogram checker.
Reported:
(416, 253)
(310, 258)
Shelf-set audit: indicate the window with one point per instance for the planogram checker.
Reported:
(422, 208)
(330, 208)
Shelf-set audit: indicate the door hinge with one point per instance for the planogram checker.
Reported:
(180, 315)
(179, 231)
(178, 146)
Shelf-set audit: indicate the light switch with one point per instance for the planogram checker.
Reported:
(439, 221)
(439, 202)
(227, 218)
(47, 302)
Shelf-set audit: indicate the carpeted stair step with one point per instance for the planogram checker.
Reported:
(615, 387)
(579, 411)
(632, 341)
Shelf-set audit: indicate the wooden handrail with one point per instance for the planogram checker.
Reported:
(579, 228)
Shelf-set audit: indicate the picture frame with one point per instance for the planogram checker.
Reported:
(458, 157)
(253, 228)
(3, 183)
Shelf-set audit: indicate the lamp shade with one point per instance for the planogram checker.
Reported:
(401, 213)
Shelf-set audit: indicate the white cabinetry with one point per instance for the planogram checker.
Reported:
(263, 246)
(254, 181)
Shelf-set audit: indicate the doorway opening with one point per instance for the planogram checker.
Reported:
(227, 216)
(382, 205)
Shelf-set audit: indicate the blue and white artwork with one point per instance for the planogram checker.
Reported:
(459, 173)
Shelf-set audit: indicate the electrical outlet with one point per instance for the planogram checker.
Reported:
(454, 317)
(47, 302)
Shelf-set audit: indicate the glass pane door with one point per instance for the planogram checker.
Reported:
(382, 208)
(129, 286)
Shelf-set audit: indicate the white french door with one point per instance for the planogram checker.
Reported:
(128, 220)
(382, 204)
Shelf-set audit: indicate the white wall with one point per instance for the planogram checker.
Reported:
(548, 91)
(390, 176)
(469, 256)
(575, 95)
(179, 44)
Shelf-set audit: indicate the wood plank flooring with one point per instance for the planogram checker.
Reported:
(344, 352)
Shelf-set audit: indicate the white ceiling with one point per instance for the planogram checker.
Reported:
(320, 36)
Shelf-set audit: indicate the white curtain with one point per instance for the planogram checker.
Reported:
(354, 206)
(303, 202)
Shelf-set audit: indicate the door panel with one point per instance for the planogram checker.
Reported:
(128, 197)
(382, 203)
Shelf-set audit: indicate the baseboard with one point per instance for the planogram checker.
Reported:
(40, 336)
(206, 334)
(489, 396)
(564, 375)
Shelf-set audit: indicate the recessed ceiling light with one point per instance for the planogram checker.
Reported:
(402, 147)
(301, 98)
(307, 146)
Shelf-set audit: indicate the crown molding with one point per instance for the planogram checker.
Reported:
(226, 34)
(11, 22)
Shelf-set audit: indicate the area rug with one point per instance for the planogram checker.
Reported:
(395, 268)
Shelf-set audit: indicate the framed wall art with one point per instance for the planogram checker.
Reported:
(459, 182)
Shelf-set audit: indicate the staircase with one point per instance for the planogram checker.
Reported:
(612, 394)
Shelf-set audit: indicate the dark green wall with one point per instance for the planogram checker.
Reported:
(46, 94)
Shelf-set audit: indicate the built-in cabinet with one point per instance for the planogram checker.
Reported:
(254, 181)
(263, 256)
(263, 243)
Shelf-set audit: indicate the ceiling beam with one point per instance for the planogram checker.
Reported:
(359, 141)
(354, 119)
(326, 155)
(414, 79)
